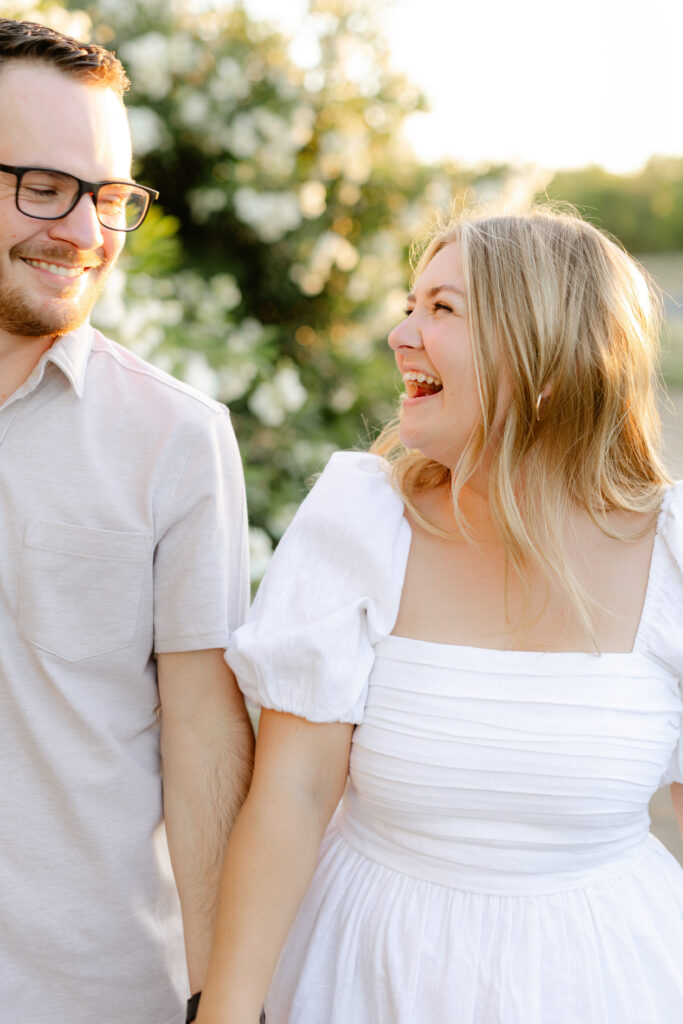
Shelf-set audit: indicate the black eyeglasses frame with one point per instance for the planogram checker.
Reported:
(89, 188)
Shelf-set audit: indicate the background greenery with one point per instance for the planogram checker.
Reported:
(277, 259)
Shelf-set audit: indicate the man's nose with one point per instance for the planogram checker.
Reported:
(80, 227)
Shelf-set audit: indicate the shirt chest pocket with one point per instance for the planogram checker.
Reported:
(80, 589)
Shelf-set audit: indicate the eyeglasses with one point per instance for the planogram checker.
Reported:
(50, 195)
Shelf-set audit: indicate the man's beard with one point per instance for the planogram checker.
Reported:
(21, 313)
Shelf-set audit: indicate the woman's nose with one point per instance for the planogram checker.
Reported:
(405, 335)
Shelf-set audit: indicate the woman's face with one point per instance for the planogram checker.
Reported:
(434, 355)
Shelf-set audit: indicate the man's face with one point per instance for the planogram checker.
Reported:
(51, 272)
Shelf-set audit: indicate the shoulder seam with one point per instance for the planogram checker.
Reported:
(160, 376)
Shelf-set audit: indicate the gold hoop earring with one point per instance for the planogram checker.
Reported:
(539, 403)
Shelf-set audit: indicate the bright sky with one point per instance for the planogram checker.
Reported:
(555, 83)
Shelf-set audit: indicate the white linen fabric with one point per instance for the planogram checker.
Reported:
(122, 534)
(490, 862)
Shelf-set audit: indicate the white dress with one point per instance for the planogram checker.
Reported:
(490, 862)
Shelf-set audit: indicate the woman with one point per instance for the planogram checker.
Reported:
(481, 627)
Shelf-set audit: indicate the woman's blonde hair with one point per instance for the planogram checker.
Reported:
(564, 308)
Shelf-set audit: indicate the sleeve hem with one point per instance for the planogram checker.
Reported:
(316, 717)
(186, 644)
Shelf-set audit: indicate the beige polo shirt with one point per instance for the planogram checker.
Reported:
(122, 533)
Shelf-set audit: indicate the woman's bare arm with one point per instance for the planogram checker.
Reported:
(299, 776)
(677, 797)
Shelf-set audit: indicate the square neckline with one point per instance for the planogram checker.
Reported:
(642, 621)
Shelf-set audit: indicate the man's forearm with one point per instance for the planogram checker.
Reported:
(207, 758)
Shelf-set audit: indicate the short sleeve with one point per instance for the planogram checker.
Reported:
(661, 632)
(201, 565)
(331, 592)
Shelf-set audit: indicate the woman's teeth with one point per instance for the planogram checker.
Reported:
(422, 378)
(421, 385)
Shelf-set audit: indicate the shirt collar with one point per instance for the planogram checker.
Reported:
(70, 354)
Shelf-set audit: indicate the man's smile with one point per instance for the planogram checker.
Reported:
(57, 268)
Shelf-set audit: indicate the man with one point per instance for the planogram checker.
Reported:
(122, 572)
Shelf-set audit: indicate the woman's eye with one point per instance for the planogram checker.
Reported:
(442, 305)
(407, 312)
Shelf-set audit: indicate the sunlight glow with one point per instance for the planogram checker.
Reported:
(559, 85)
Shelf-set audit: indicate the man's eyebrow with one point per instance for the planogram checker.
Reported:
(439, 288)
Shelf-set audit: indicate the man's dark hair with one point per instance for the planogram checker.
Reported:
(26, 40)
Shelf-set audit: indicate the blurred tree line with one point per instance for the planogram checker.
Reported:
(276, 260)
(644, 210)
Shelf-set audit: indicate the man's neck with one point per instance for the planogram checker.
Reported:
(18, 359)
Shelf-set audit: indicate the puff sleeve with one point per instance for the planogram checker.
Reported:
(331, 592)
(663, 629)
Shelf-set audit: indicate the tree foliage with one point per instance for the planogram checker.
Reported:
(644, 210)
(276, 260)
(272, 269)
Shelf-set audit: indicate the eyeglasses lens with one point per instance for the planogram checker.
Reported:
(121, 206)
(50, 195)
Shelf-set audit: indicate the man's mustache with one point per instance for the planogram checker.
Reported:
(65, 257)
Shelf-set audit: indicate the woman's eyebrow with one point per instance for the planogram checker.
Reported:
(438, 288)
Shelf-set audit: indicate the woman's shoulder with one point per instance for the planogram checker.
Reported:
(348, 532)
(661, 631)
(354, 491)
(356, 470)
(670, 525)
(331, 592)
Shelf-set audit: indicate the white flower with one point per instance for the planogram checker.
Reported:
(376, 116)
(242, 136)
(229, 83)
(304, 49)
(233, 381)
(263, 405)
(359, 341)
(309, 283)
(270, 214)
(276, 162)
(343, 398)
(190, 288)
(183, 51)
(301, 128)
(272, 127)
(281, 518)
(193, 108)
(360, 284)
(246, 336)
(111, 308)
(148, 130)
(205, 201)
(358, 64)
(225, 289)
(200, 375)
(347, 153)
(76, 24)
(311, 456)
(291, 392)
(331, 250)
(123, 10)
(272, 399)
(147, 59)
(312, 198)
(260, 552)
